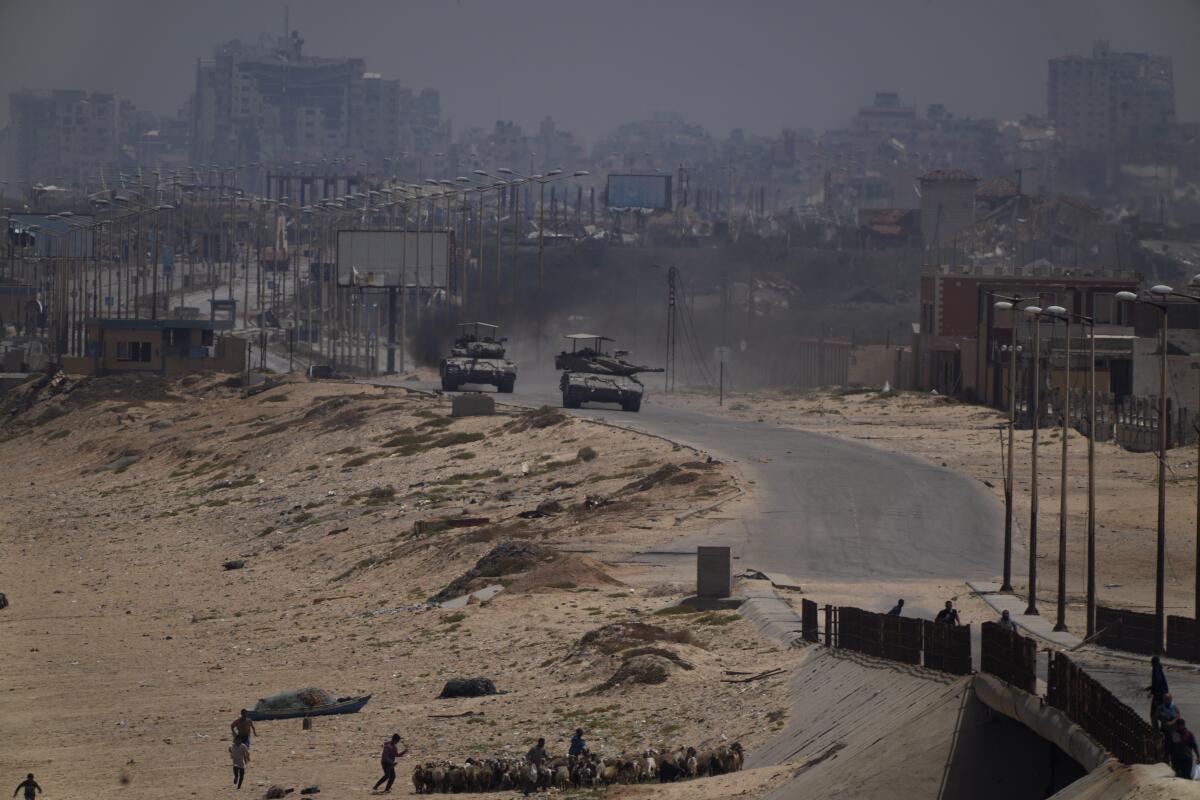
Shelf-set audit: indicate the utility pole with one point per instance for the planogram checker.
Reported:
(669, 362)
(541, 265)
(154, 280)
(515, 210)
(1160, 566)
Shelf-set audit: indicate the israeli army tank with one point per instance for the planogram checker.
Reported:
(478, 357)
(592, 375)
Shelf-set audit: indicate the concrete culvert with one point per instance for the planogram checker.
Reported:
(875, 730)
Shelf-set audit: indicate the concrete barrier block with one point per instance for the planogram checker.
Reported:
(713, 572)
(473, 404)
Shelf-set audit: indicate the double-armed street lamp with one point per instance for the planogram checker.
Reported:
(1067, 317)
(1035, 313)
(1057, 313)
(1006, 303)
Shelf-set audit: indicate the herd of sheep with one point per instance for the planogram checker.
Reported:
(585, 771)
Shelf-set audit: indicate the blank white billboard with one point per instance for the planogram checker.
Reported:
(390, 259)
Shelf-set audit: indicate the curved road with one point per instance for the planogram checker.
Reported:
(829, 507)
(822, 507)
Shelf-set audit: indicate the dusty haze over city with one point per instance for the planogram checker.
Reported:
(750, 400)
(761, 65)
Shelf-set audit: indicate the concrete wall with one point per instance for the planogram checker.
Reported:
(872, 364)
(1183, 381)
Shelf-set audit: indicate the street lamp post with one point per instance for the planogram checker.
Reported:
(1091, 512)
(1161, 548)
(1035, 312)
(1010, 304)
(1060, 625)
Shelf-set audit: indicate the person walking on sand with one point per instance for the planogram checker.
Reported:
(29, 785)
(536, 755)
(391, 752)
(1158, 685)
(897, 609)
(948, 615)
(239, 753)
(242, 727)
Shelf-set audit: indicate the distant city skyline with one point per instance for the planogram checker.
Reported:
(761, 66)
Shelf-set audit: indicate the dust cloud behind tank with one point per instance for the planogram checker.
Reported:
(591, 375)
(478, 357)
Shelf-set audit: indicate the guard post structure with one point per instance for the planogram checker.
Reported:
(713, 573)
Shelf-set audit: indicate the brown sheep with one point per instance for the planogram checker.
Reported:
(739, 756)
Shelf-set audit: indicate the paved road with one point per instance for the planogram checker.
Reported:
(824, 507)
(827, 507)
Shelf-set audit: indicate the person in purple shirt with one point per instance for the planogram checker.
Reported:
(391, 752)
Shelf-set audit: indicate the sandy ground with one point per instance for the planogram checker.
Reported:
(127, 648)
(963, 438)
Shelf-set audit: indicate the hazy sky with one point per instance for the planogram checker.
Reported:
(757, 64)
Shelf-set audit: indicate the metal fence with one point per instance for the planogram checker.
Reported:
(808, 621)
(1131, 631)
(947, 647)
(1131, 421)
(1009, 656)
(893, 638)
(1181, 638)
(1085, 701)
(1012, 658)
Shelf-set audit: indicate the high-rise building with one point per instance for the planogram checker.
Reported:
(1109, 99)
(274, 105)
(64, 136)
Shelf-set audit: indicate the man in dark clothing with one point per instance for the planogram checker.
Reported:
(1182, 750)
(391, 752)
(1158, 685)
(29, 785)
(1006, 622)
(536, 756)
(578, 745)
(896, 609)
(948, 615)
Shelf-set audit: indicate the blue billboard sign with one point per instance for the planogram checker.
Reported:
(639, 191)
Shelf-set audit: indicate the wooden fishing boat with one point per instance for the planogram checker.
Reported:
(344, 705)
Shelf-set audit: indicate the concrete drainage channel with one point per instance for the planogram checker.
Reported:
(871, 728)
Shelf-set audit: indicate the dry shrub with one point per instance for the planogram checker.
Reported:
(618, 636)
